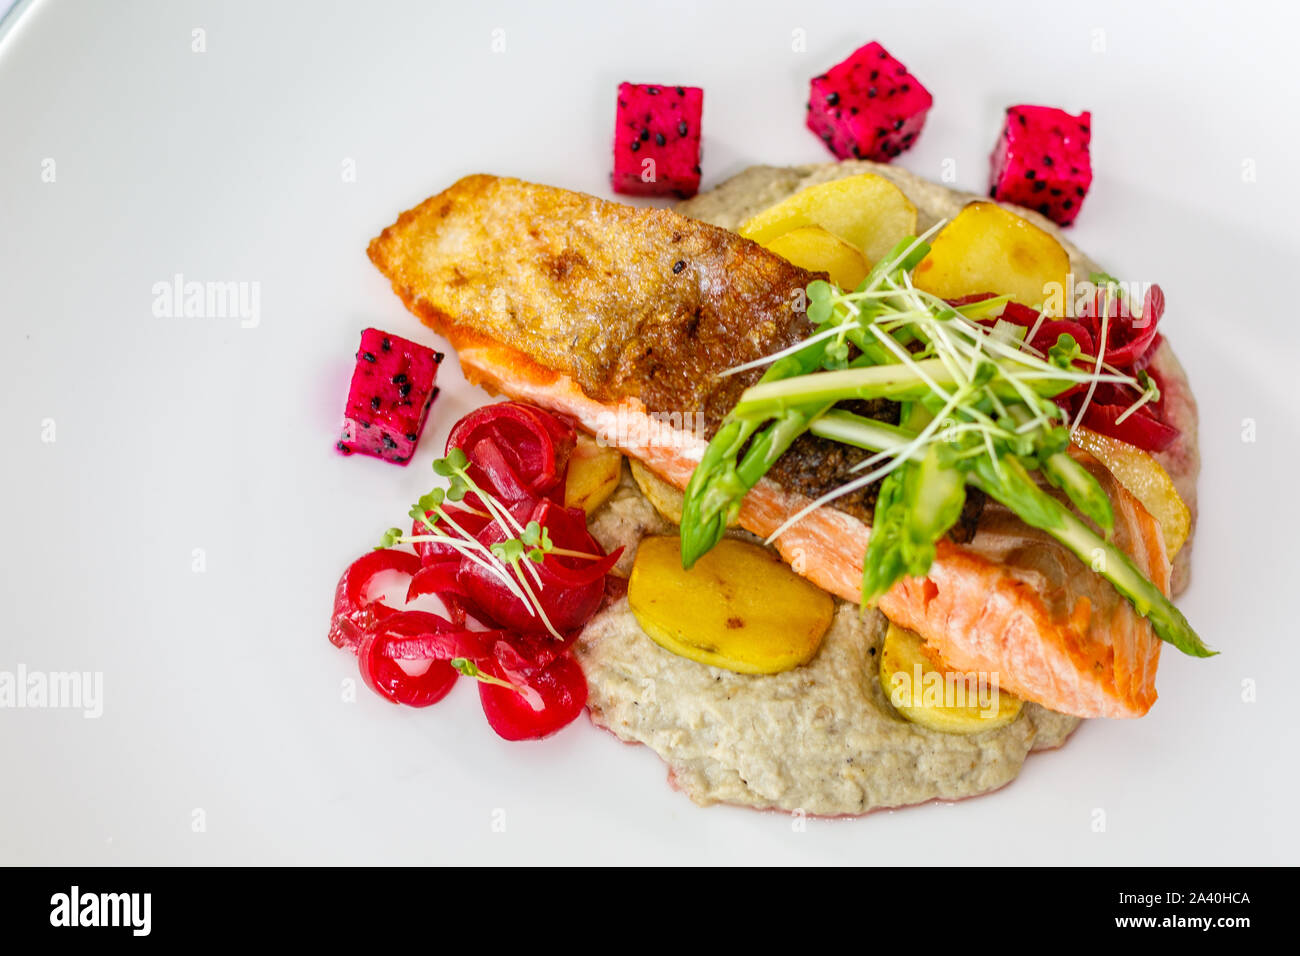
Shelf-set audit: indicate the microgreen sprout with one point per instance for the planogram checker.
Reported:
(1111, 290)
(534, 544)
(1150, 393)
(467, 668)
(503, 560)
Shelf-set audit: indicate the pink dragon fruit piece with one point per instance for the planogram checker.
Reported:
(868, 107)
(657, 140)
(1041, 161)
(392, 389)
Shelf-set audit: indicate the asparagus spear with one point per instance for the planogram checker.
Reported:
(719, 483)
(917, 505)
(896, 381)
(1079, 485)
(1013, 486)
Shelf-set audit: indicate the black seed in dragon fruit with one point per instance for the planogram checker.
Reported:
(388, 403)
(868, 107)
(657, 140)
(1041, 161)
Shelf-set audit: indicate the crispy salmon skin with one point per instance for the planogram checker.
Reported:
(624, 301)
(610, 314)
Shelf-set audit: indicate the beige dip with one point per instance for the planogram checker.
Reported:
(822, 738)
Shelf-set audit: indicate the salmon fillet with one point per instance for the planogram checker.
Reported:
(622, 318)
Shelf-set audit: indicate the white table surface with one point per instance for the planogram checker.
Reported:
(221, 696)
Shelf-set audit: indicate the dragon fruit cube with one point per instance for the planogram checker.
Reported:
(388, 403)
(1041, 161)
(868, 107)
(657, 140)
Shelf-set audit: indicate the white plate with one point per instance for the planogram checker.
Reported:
(223, 735)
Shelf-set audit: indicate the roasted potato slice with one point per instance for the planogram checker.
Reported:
(1146, 479)
(594, 471)
(666, 499)
(931, 697)
(866, 211)
(987, 249)
(815, 249)
(740, 607)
